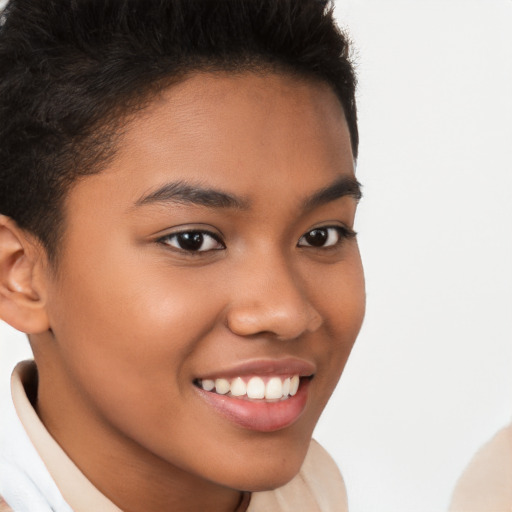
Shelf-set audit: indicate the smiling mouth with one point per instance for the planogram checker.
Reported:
(257, 388)
(264, 398)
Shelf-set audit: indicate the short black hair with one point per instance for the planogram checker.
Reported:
(72, 70)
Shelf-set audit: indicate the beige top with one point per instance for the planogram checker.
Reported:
(486, 484)
(318, 487)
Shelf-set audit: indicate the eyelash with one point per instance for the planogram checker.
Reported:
(165, 240)
(342, 232)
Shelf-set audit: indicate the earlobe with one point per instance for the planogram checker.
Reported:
(22, 301)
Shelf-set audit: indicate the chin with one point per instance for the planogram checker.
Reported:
(266, 475)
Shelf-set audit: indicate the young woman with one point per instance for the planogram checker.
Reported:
(176, 239)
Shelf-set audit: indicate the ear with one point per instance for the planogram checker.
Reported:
(22, 297)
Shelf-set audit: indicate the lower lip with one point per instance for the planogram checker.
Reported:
(260, 415)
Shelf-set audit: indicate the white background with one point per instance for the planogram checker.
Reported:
(430, 378)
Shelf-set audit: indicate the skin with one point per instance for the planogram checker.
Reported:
(135, 319)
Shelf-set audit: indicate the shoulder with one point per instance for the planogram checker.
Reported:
(318, 487)
(486, 483)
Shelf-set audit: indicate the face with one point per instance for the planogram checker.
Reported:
(210, 287)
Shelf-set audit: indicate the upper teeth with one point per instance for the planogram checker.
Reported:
(274, 389)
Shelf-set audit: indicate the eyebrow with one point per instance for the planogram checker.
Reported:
(342, 187)
(186, 193)
(181, 192)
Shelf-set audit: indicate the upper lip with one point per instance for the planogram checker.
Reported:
(283, 366)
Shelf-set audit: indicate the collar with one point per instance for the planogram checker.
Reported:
(75, 488)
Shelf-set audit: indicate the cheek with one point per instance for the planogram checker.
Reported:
(128, 350)
(126, 330)
(342, 295)
(343, 305)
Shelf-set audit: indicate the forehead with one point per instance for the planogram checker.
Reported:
(232, 131)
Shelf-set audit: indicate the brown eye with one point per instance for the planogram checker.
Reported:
(193, 241)
(316, 237)
(325, 237)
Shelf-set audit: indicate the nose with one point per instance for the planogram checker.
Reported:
(271, 299)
